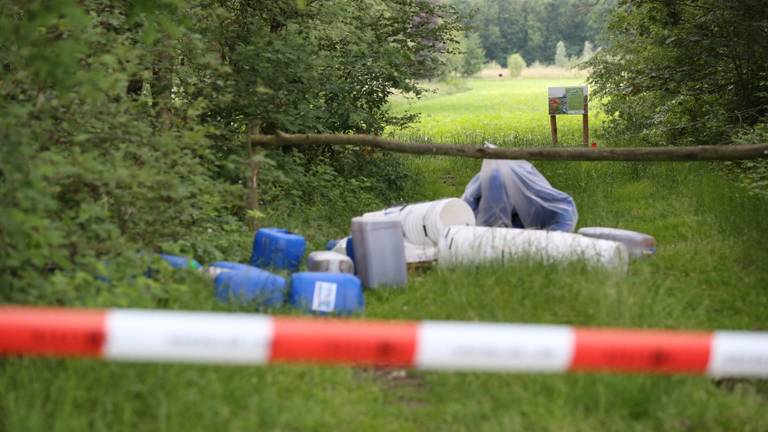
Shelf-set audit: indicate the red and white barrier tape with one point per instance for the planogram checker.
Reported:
(144, 335)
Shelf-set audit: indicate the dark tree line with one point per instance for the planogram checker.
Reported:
(533, 28)
(684, 71)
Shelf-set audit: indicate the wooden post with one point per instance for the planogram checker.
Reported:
(553, 128)
(585, 122)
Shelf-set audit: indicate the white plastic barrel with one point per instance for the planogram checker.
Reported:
(474, 245)
(414, 223)
(423, 222)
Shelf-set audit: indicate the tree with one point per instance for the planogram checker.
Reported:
(561, 56)
(532, 27)
(92, 168)
(331, 66)
(587, 52)
(123, 126)
(474, 55)
(515, 64)
(466, 56)
(684, 72)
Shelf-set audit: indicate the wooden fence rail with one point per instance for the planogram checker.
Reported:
(695, 153)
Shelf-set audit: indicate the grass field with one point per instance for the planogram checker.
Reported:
(505, 111)
(710, 272)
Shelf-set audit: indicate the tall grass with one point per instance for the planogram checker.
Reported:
(709, 273)
(505, 112)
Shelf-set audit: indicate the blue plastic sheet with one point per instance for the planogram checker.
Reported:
(514, 194)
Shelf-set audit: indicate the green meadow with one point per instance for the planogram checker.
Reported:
(709, 272)
(505, 111)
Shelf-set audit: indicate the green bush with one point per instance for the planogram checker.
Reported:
(752, 174)
(664, 70)
(123, 131)
(515, 64)
(320, 191)
(474, 55)
(561, 56)
(90, 175)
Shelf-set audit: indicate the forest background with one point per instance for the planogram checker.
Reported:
(123, 124)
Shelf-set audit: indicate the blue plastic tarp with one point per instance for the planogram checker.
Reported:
(514, 194)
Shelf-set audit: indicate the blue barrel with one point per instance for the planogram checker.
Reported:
(277, 248)
(179, 262)
(251, 285)
(351, 251)
(326, 293)
(331, 244)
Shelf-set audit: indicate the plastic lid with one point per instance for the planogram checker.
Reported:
(376, 223)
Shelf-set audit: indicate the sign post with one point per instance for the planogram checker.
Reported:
(569, 101)
(553, 128)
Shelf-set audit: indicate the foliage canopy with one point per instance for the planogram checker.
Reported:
(532, 28)
(123, 126)
(682, 72)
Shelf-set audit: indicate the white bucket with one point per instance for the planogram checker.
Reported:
(474, 245)
(414, 224)
(423, 222)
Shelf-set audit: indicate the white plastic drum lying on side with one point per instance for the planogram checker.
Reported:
(474, 245)
(638, 244)
(423, 222)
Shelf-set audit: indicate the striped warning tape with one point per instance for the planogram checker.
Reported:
(143, 335)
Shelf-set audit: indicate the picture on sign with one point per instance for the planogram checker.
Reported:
(567, 100)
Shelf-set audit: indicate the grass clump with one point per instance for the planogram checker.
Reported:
(709, 273)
